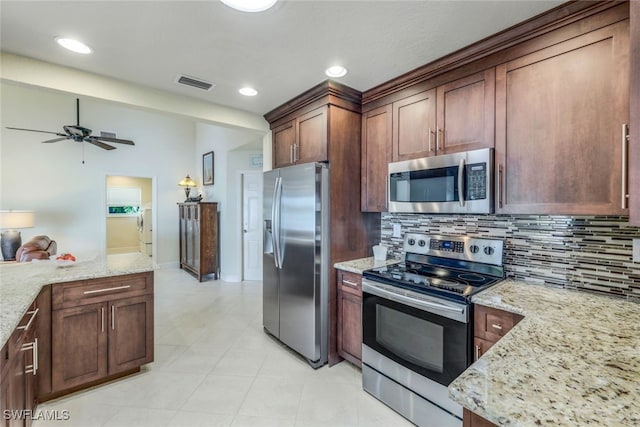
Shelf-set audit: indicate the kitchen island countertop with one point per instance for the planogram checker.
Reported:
(573, 360)
(20, 283)
(358, 266)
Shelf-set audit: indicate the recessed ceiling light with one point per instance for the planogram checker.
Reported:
(336, 71)
(250, 5)
(248, 91)
(73, 45)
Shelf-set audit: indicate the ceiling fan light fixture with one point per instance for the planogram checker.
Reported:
(74, 45)
(248, 91)
(250, 5)
(336, 71)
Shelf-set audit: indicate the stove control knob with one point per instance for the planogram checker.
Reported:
(412, 242)
(474, 249)
(421, 243)
(488, 250)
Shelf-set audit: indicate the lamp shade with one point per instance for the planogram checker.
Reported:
(187, 182)
(16, 219)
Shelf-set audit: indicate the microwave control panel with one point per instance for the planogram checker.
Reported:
(476, 181)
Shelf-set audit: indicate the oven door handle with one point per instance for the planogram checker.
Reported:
(414, 302)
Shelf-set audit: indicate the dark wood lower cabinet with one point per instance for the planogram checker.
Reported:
(105, 333)
(349, 304)
(474, 420)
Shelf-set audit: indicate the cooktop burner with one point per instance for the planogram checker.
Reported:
(452, 267)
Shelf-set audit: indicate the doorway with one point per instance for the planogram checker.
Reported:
(252, 225)
(129, 215)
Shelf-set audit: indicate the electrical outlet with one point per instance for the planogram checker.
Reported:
(636, 250)
(396, 230)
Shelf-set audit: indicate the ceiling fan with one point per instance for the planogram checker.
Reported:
(80, 134)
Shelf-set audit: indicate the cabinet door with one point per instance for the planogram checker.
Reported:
(312, 137)
(414, 124)
(376, 155)
(17, 391)
(183, 234)
(79, 345)
(559, 115)
(130, 333)
(466, 113)
(471, 419)
(284, 137)
(350, 327)
(195, 229)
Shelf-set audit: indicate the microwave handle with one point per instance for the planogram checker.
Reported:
(461, 189)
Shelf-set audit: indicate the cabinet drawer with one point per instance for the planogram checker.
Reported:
(71, 294)
(350, 282)
(492, 324)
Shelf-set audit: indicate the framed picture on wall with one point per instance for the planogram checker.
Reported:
(207, 168)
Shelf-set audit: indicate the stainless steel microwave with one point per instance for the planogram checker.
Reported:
(451, 183)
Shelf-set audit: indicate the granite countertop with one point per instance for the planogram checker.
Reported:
(573, 360)
(20, 283)
(359, 265)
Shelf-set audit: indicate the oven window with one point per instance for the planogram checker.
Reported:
(415, 340)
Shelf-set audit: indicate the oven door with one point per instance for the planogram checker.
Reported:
(427, 335)
(450, 183)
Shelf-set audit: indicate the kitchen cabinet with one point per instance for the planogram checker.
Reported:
(453, 117)
(19, 378)
(350, 317)
(199, 239)
(489, 325)
(634, 115)
(376, 155)
(100, 328)
(560, 113)
(301, 140)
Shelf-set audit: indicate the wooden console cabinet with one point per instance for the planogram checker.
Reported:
(100, 328)
(489, 325)
(350, 317)
(199, 239)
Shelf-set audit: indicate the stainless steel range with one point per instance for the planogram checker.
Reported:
(417, 323)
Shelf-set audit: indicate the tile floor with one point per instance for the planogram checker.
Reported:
(214, 366)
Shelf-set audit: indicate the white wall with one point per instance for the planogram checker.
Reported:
(68, 197)
(227, 163)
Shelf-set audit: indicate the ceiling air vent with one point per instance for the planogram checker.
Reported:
(194, 82)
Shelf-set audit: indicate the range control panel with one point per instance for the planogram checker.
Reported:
(488, 251)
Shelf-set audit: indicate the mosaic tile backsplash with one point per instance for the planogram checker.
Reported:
(590, 253)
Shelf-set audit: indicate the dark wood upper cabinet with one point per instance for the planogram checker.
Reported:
(311, 137)
(284, 137)
(559, 117)
(634, 119)
(466, 113)
(414, 125)
(376, 155)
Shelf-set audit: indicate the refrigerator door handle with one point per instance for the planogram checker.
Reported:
(275, 218)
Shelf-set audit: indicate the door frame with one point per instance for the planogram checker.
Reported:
(240, 207)
(154, 212)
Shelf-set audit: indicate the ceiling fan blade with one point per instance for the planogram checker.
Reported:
(53, 140)
(92, 140)
(117, 140)
(41, 131)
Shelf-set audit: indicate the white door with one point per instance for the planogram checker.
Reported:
(251, 225)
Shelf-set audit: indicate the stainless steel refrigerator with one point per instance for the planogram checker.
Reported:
(296, 258)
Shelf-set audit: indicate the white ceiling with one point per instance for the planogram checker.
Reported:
(281, 52)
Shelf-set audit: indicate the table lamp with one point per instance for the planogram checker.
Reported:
(11, 240)
(188, 184)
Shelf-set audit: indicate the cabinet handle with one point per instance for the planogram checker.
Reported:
(477, 352)
(625, 149)
(97, 291)
(438, 140)
(33, 368)
(291, 153)
(102, 312)
(498, 327)
(350, 283)
(429, 139)
(500, 174)
(295, 153)
(113, 317)
(33, 314)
